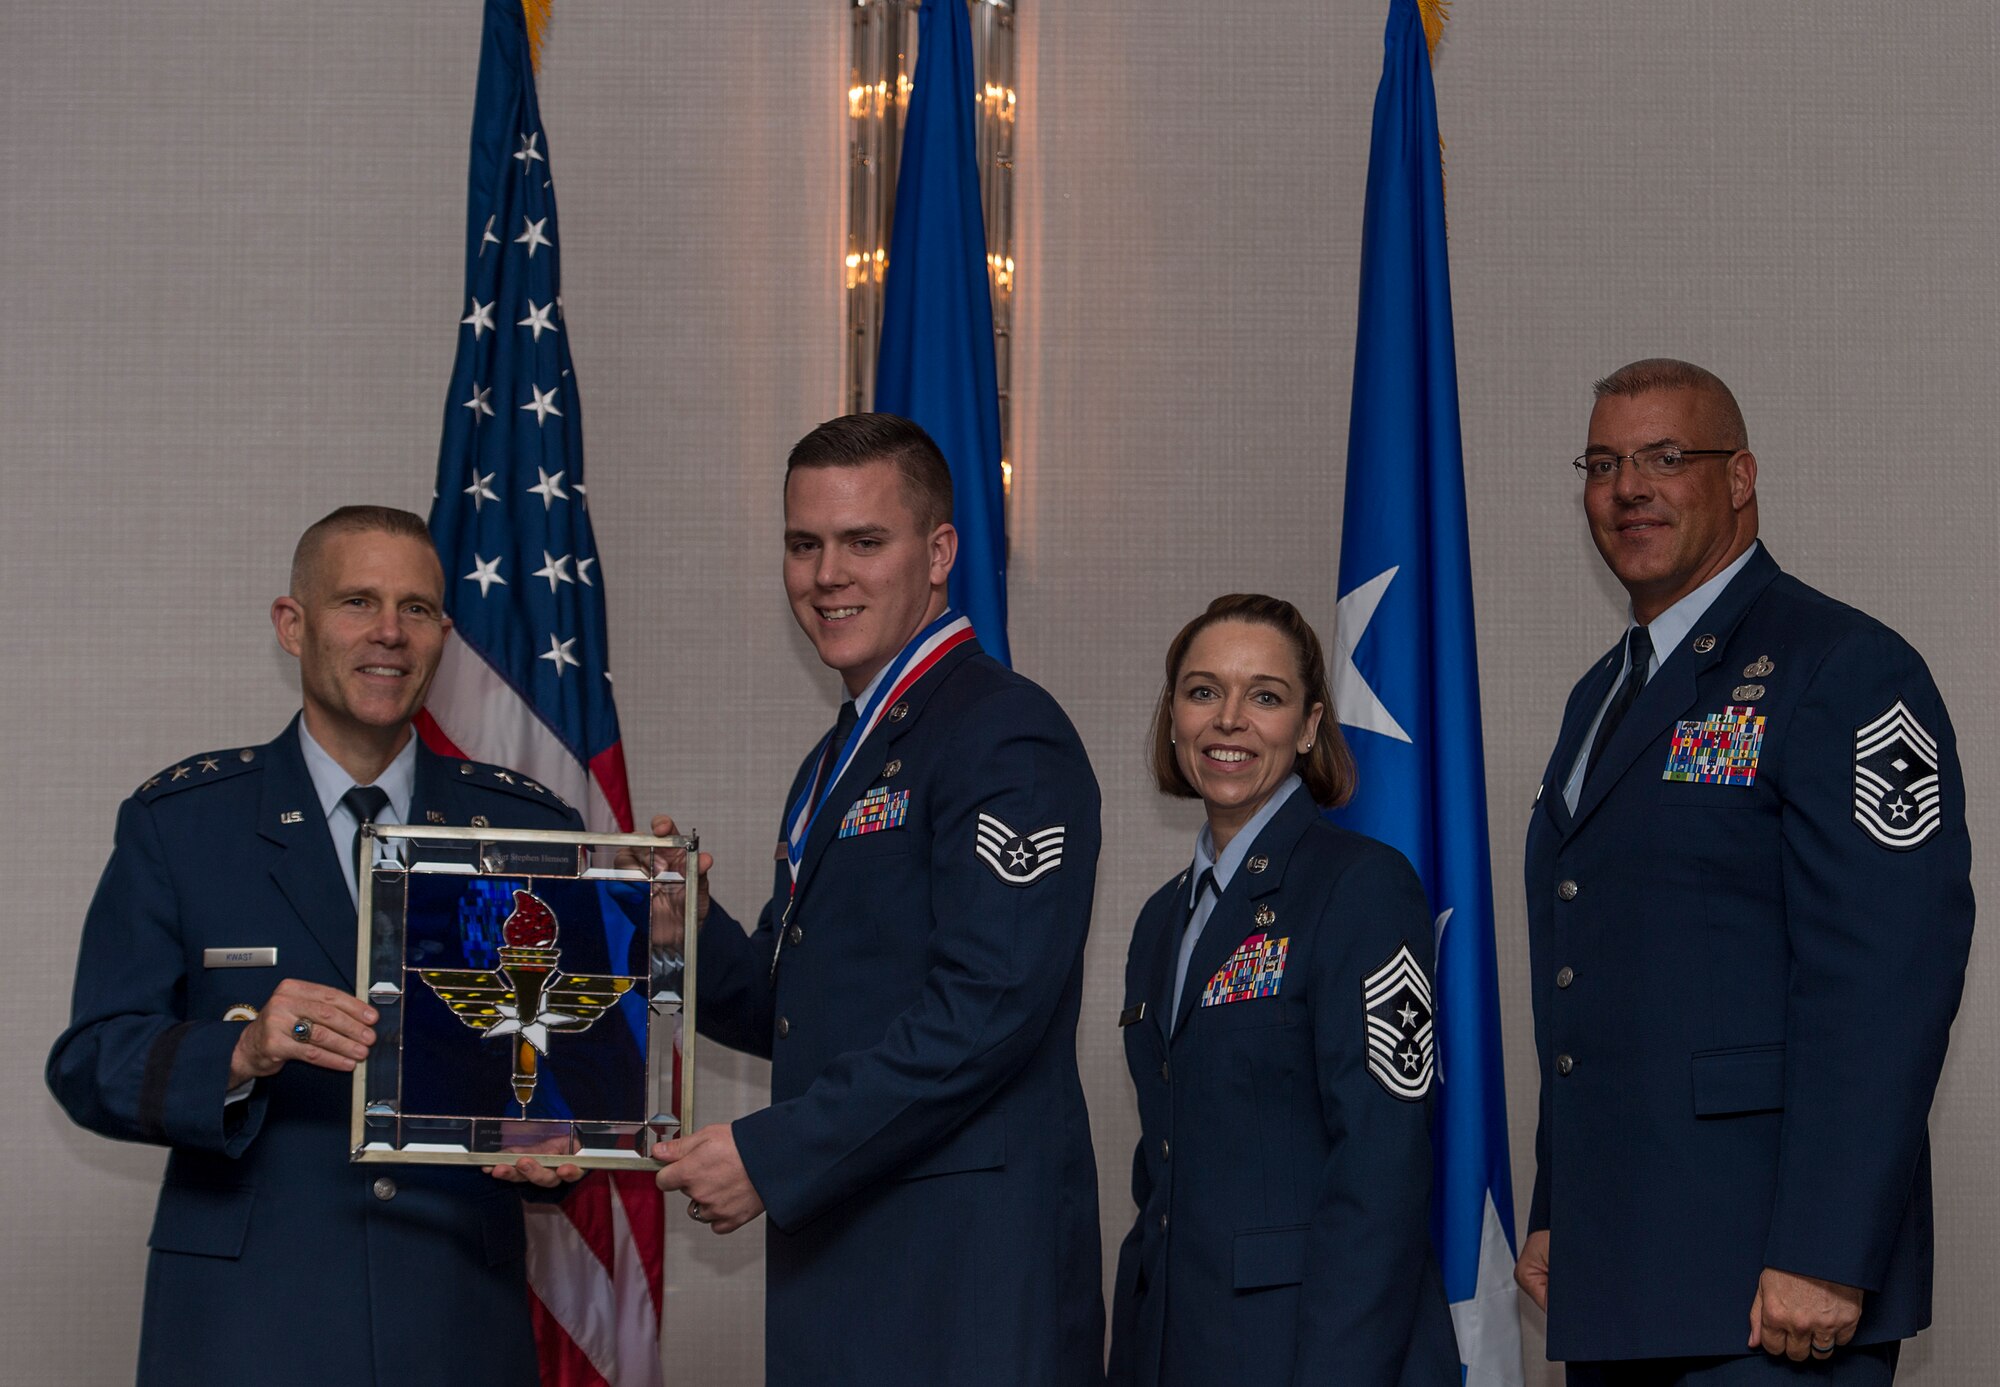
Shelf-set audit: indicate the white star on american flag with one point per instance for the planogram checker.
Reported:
(528, 153)
(488, 235)
(538, 319)
(583, 570)
(556, 570)
(482, 403)
(542, 406)
(549, 489)
(532, 235)
(486, 572)
(481, 489)
(480, 319)
(558, 654)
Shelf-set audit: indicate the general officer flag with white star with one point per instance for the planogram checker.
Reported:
(524, 680)
(1406, 682)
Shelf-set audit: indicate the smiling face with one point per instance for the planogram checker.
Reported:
(368, 628)
(1665, 538)
(1240, 720)
(862, 571)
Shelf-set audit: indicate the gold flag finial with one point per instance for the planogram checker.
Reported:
(536, 12)
(1435, 13)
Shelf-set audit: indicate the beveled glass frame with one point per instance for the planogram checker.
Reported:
(398, 856)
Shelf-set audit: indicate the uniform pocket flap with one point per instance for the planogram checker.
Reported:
(1273, 1257)
(205, 1222)
(1739, 1081)
(980, 1144)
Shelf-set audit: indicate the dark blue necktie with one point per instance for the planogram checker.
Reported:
(1639, 652)
(365, 803)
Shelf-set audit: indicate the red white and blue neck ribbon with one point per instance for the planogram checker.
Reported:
(911, 664)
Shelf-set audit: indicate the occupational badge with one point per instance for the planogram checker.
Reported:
(528, 997)
(877, 810)
(1401, 1045)
(1018, 858)
(1720, 749)
(1256, 969)
(1896, 788)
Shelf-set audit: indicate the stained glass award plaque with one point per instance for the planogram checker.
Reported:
(522, 1009)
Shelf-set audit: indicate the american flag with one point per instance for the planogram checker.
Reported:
(524, 681)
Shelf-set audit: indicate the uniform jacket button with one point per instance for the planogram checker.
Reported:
(1166, 1074)
(794, 935)
(384, 1187)
(1566, 890)
(784, 1028)
(1565, 976)
(1166, 1151)
(1564, 1064)
(1163, 1223)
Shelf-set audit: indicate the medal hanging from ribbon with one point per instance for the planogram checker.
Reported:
(911, 664)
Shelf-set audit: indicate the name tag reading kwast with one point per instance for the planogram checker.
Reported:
(239, 958)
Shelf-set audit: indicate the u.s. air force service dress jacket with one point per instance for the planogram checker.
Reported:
(925, 1162)
(275, 1260)
(1283, 1171)
(1748, 943)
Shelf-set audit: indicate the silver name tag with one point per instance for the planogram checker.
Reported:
(239, 958)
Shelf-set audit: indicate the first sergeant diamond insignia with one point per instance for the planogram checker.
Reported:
(1018, 859)
(1401, 1047)
(1896, 787)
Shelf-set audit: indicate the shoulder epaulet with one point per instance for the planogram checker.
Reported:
(508, 781)
(205, 769)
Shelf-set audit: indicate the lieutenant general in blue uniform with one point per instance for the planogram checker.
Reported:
(1749, 913)
(214, 1014)
(1278, 1022)
(915, 977)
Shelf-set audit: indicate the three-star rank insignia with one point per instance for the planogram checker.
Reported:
(1402, 1049)
(1018, 858)
(1896, 787)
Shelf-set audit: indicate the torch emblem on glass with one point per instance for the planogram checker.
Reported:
(527, 996)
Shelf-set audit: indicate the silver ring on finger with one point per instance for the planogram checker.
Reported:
(302, 1031)
(695, 1213)
(1822, 1350)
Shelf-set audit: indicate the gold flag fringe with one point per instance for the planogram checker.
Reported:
(1434, 13)
(536, 12)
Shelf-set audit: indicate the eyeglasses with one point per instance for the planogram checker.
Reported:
(1654, 464)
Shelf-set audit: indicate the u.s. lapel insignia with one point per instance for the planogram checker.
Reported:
(875, 812)
(291, 816)
(480, 821)
(1401, 1046)
(1896, 785)
(1266, 917)
(1703, 644)
(433, 816)
(1257, 864)
(899, 712)
(1018, 858)
(1720, 749)
(1256, 969)
(1758, 667)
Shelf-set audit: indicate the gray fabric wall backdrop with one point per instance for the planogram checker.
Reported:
(231, 238)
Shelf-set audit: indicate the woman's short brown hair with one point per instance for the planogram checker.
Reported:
(1328, 768)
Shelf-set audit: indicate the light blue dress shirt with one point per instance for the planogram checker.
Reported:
(330, 782)
(1224, 865)
(1667, 630)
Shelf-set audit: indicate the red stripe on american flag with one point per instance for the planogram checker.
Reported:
(645, 1213)
(434, 737)
(561, 1362)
